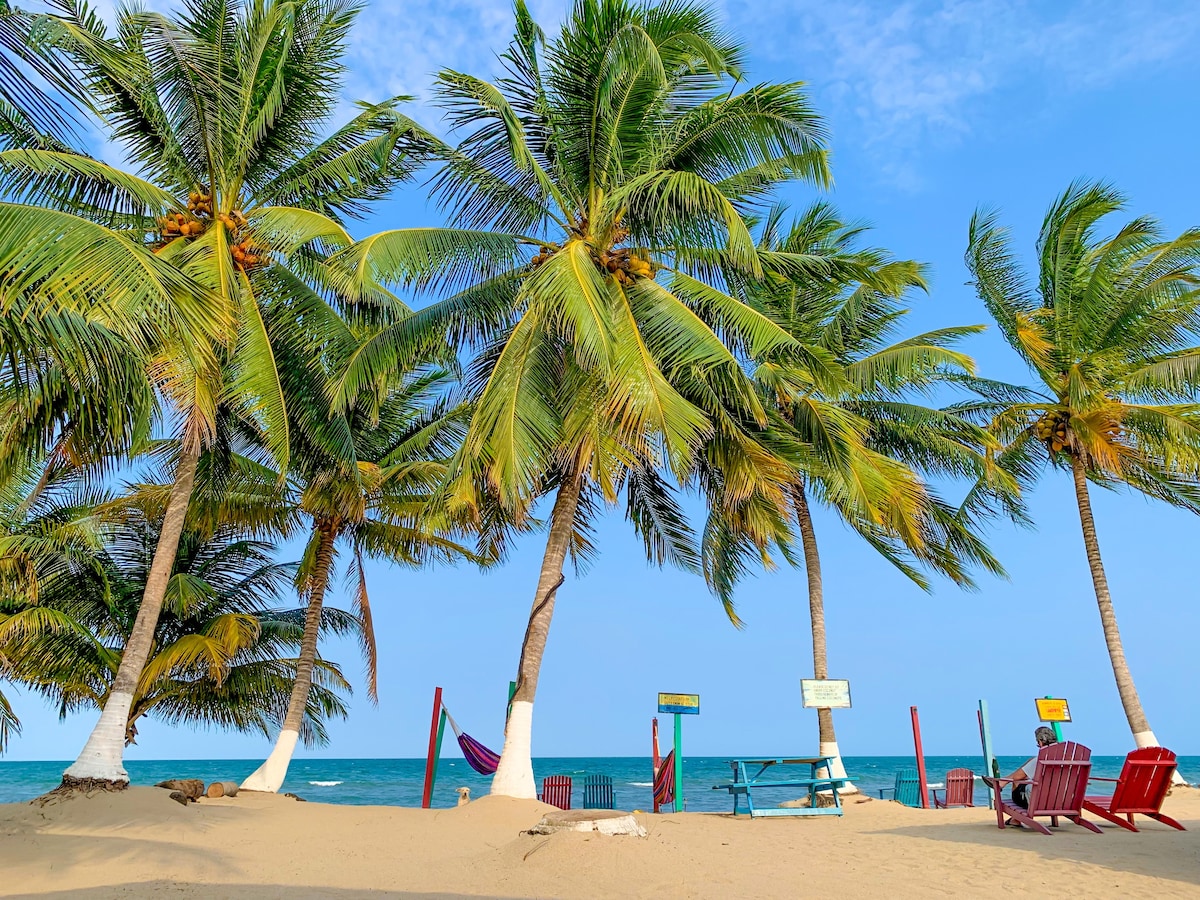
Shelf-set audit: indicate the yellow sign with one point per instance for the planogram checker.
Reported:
(1053, 709)
(686, 704)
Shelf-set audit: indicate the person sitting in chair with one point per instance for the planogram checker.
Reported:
(1020, 792)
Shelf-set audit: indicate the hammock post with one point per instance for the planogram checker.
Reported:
(656, 759)
(678, 763)
(923, 781)
(435, 741)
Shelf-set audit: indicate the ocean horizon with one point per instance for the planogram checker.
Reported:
(399, 782)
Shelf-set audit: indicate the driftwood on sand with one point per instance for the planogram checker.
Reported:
(191, 788)
(222, 789)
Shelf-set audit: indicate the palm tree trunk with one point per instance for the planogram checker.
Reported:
(270, 775)
(816, 610)
(100, 764)
(1142, 735)
(514, 775)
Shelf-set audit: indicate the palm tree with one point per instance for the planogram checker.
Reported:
(374, 502)
(221, 109)
(220, 650)
(37, 93)
(598, 185)
(42, 539)
(1107, 331)
(862, 443)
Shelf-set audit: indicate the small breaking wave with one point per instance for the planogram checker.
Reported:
(324, 783)
(640, 783)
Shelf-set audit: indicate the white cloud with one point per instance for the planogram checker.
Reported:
(921, 64)
(397, 48)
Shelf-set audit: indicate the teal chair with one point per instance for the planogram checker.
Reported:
(598, 792)
(907, 789)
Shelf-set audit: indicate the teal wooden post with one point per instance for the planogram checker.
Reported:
(437, 752)
(1055, 725)
(512, 689)
(678, 763)
(989, 762)
(431, 759)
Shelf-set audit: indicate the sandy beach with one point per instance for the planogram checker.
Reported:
(140, 843)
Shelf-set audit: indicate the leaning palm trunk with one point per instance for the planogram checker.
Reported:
(514, 774)
(101, 763)
(1142, 735)
(816, 609)
(270, 775)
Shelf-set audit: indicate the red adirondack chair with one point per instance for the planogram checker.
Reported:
(1059, 783)
(959, 790)
(556, 790)
(1141, 789)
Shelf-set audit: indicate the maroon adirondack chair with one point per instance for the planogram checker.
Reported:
(1141, 789)
(959, 790)
(556, 790)
(1058, 786)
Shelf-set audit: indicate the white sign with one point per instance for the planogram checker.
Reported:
(825, 693)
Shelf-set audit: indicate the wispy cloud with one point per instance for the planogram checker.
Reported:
(909, 69)
(397, 48)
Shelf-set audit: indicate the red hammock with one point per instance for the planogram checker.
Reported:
(664, 781)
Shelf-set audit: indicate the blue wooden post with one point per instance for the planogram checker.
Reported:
(989, 761)
(678, 763)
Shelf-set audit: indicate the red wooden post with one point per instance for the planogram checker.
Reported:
(923, 783)
(431, 760)
(657, 760)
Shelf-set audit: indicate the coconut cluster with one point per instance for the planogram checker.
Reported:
(199, 216)
(177, 224)
(246, 254)
(1052, 429)
(625, 265)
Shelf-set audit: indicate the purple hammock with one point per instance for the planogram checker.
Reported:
(479, 757)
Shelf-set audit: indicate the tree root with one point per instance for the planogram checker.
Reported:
(87, 786)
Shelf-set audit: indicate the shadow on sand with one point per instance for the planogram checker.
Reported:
(237, 892)
(1175, 857)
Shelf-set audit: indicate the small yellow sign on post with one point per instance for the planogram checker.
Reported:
(1053, 709)
(684, 704)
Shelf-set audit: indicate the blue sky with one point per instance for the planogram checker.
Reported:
(935, 108)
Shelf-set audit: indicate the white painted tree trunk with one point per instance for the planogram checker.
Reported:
(1130, 701)
(102, 758)
(836, 768)
(1147, 739)
(269, 776)
(514, 775)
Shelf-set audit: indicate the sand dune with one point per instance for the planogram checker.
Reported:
(140, 843)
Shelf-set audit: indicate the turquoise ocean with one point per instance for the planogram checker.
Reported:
(398, 782)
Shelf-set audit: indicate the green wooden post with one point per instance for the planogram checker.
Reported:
(1055, 725)
(512, 689)
(678, 763)
(437, 752)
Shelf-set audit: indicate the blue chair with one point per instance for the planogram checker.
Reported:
(907, 790)
(598, 792)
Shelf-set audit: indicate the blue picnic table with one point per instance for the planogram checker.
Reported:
(745, 783)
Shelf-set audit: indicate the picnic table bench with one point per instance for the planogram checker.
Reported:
(745, 784)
